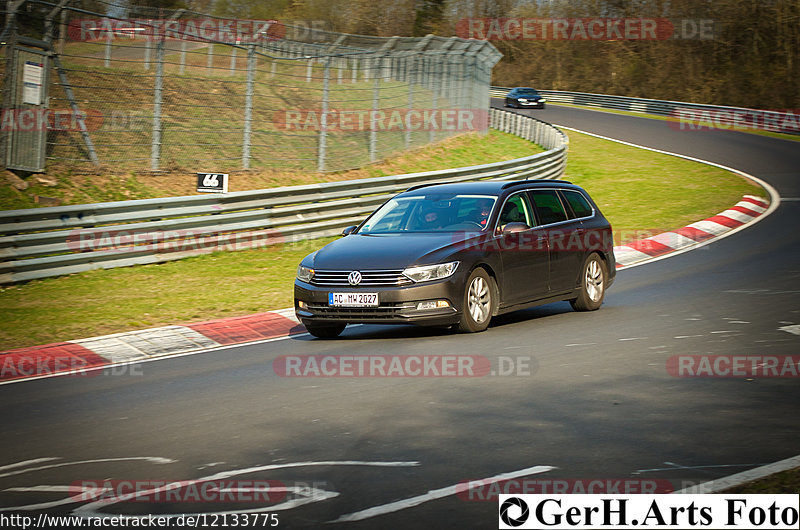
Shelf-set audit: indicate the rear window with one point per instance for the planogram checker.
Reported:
(580, 206)
(548, 206)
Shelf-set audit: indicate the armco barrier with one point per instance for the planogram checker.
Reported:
(718, 115)
(42, 242)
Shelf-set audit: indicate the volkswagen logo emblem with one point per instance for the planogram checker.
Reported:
(354, 278)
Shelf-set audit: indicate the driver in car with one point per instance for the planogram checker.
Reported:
(430, 217)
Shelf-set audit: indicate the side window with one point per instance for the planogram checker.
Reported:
(548, 206)
(580, 206)
(516, 209)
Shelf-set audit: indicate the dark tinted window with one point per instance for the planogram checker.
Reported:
(580, 206)
(548, 206)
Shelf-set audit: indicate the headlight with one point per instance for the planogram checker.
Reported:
(431, 272)
(542, 100)
(304, 274)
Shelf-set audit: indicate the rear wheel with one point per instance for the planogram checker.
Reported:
(479, 302)
(324, 331)
(594, 276)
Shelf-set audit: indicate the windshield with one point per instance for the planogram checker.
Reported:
(527, 92)
(431, 213)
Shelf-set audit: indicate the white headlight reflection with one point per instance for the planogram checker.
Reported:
(431, 272)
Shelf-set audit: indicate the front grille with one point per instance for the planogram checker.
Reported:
(386, 310)
(379, 278)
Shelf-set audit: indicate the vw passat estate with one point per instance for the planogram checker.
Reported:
(459, 254)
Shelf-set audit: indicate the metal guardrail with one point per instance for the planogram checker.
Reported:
(43, 242)
(695, 113)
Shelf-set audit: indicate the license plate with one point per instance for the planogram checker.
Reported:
(353, 299)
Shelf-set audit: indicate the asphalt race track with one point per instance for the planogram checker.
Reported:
(589, 396)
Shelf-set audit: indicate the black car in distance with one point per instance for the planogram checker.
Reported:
(459, 254)
(524, 98)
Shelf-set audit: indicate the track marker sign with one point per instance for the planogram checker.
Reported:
(212, 182)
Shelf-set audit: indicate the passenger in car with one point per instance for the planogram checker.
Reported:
(480, 215)
(430, 220)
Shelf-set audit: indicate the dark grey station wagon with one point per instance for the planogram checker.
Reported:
(459, 254)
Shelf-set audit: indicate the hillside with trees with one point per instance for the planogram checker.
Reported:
(750, 58)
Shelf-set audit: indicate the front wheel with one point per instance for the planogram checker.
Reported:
(594, 276)
(479, 303)
(324, 331)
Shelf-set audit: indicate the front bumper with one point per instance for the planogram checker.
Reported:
(396, 305)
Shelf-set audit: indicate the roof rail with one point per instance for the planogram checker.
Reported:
(418, 186)
(521, 182)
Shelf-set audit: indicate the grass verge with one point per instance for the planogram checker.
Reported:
(636, 189)
(71, 188)
(114, 300)
(783, 482)
(641, 191)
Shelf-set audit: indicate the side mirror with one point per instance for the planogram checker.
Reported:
(513, 228)
(349, 230)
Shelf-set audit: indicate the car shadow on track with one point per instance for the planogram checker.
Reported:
(402, 331)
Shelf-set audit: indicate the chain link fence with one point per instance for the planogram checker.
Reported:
(136, 88)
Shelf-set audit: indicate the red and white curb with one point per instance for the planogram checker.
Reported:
(80, 356)
(694, 235)
(83, 356)
(691, 236)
